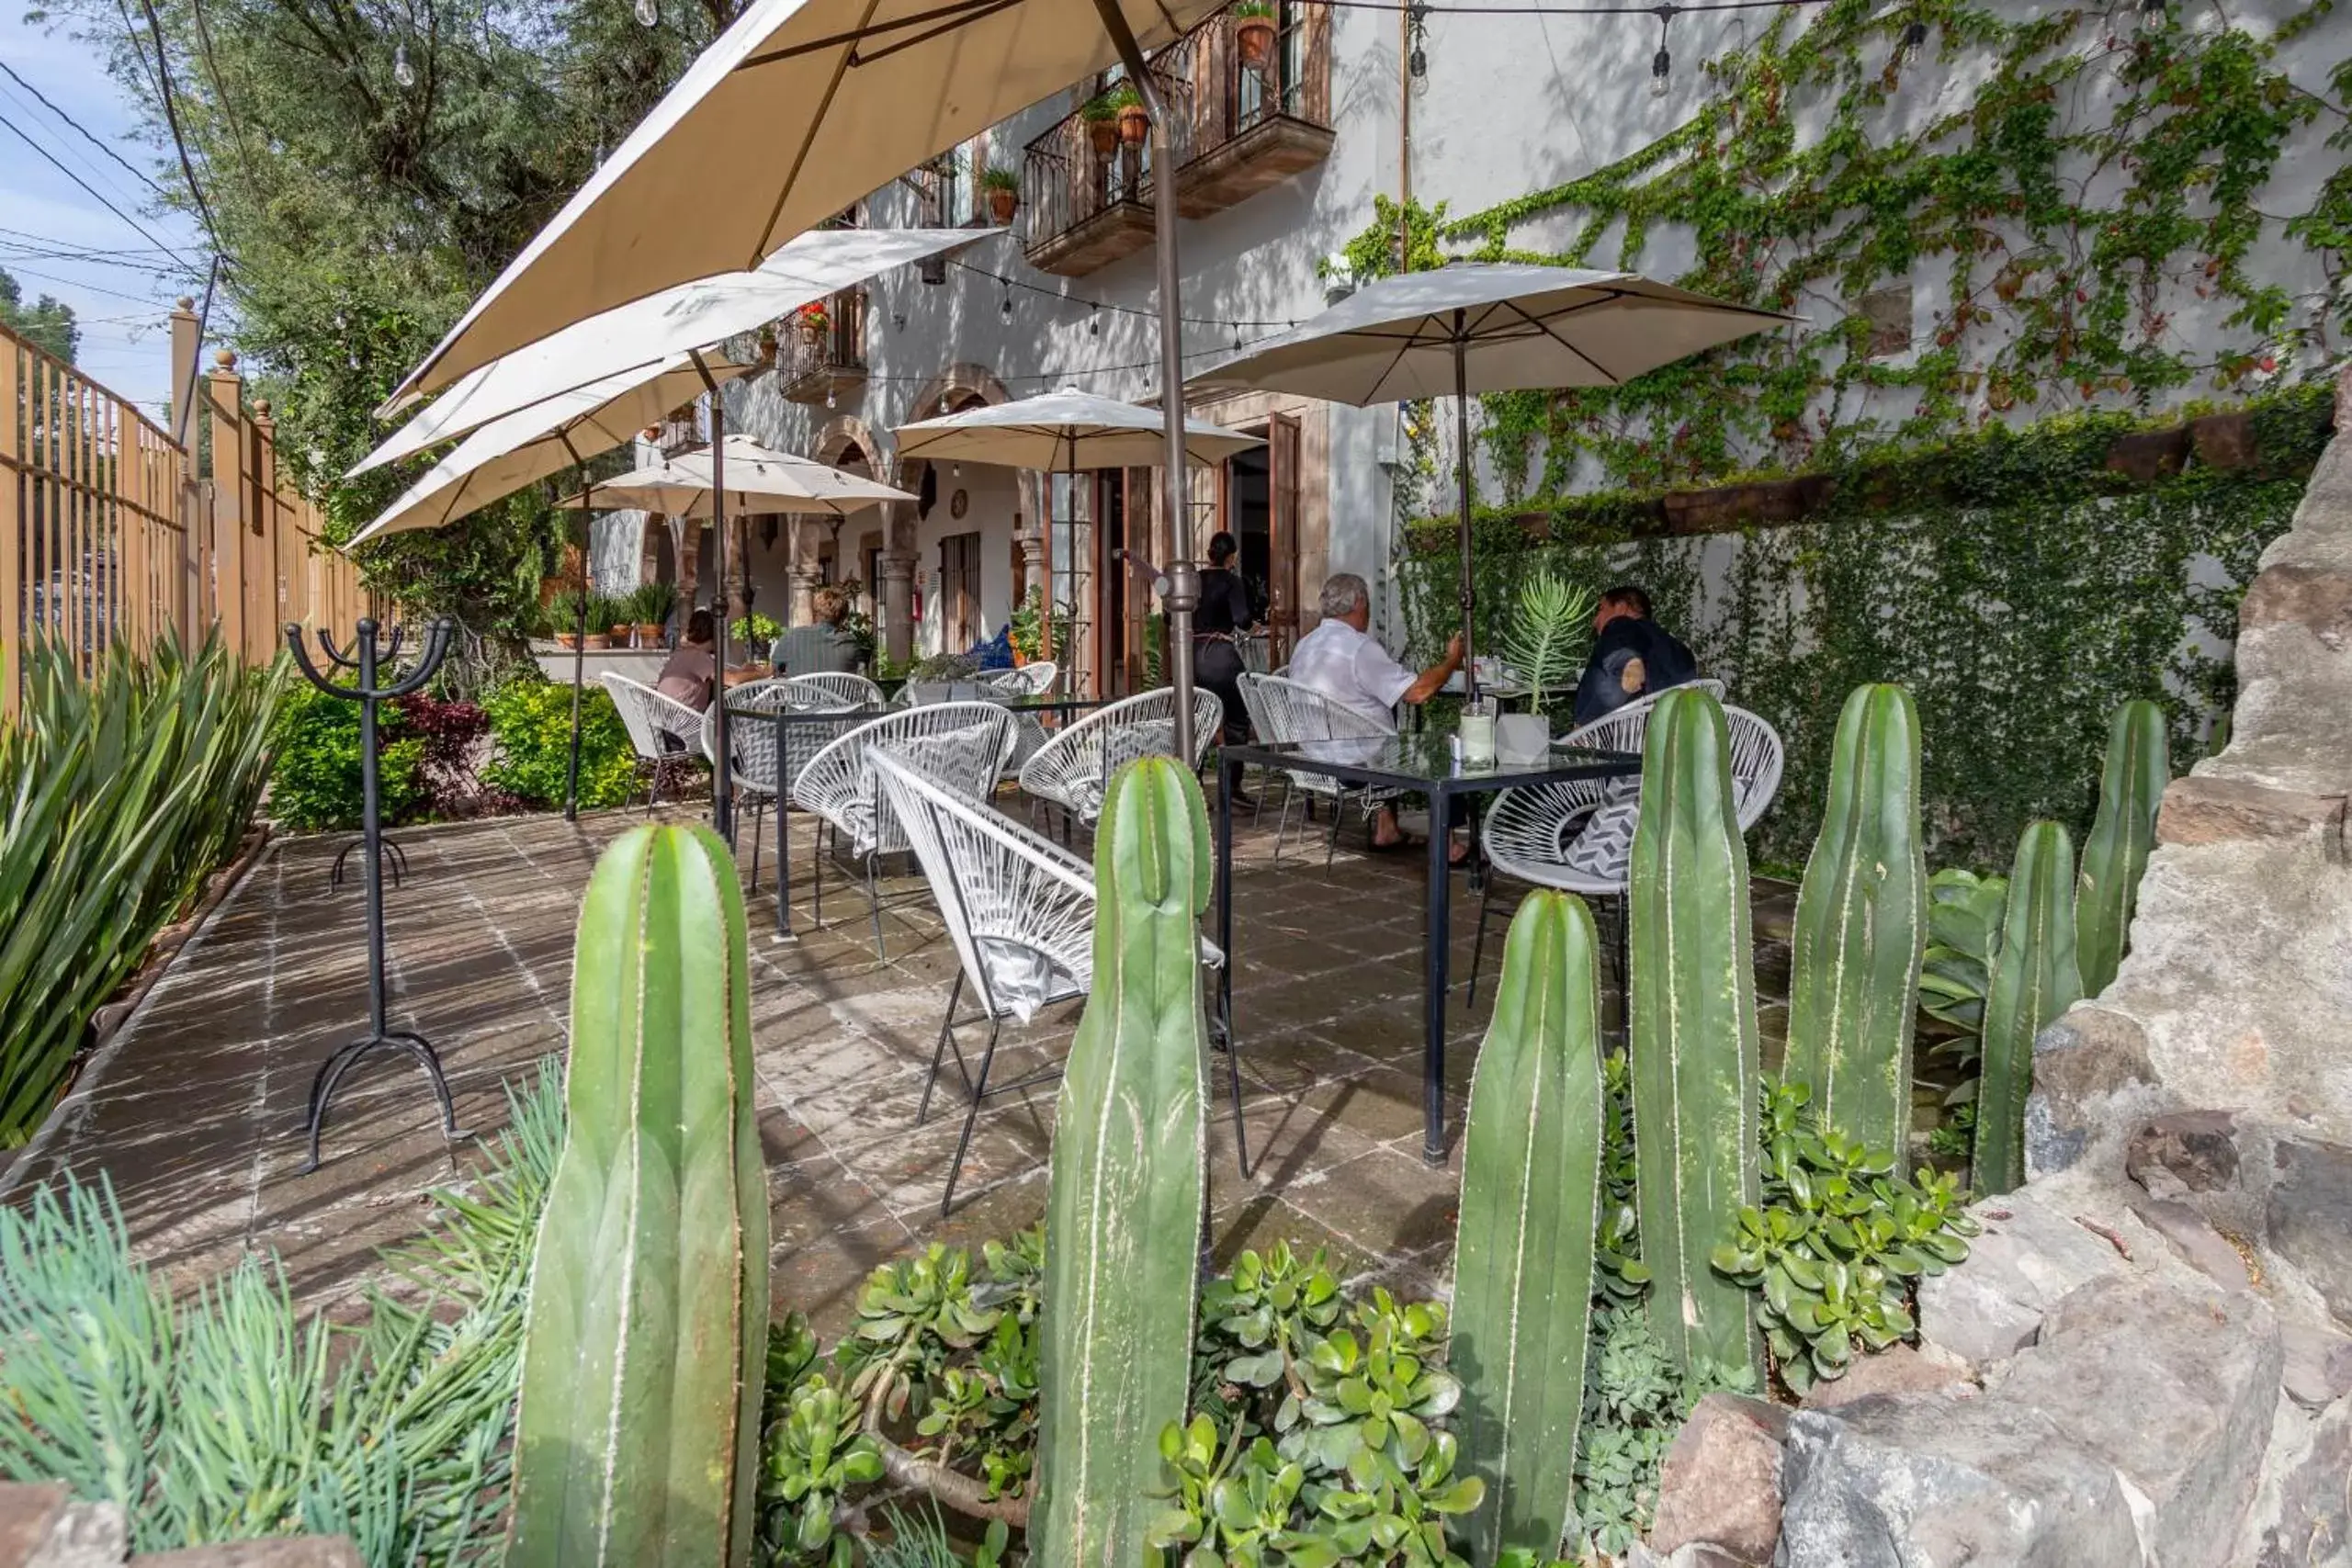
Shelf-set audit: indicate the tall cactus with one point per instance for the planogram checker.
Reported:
(1693, 1032)
(1861, 923)
(637, 1440)
(2131, 788)
(1122, 1219)
(1523, 1244)
(2034, 980)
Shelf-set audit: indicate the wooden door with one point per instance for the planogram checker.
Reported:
(1281, 539)
(959, 593)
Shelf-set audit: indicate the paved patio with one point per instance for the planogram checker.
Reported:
(195, 1114)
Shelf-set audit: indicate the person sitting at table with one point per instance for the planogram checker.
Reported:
(1341, 659)
(691, 673)
(824, 646)
(1631, 656)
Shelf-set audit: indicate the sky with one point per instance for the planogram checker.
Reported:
(119, 285)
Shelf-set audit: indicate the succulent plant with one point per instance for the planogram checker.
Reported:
(1964, 913)
(1692, 1032)
(1524, 1241)
(1861, 915)
(644, 1355)
(2131, 786)
(2034, 980)
(1123, 1227)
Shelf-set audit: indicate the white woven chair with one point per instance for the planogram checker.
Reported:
(1021, 911)
(652, 718)
(1033, 679)
(959, 746)
(1074, 769)
(754, 768)
(829, 688)
(1577, 835)
(1283, 710)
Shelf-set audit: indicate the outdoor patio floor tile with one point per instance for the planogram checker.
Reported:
(195, 1114)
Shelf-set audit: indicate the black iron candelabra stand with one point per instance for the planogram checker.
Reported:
(366, 691)
(395, 858)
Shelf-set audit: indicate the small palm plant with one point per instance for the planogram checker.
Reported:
(1546, 640)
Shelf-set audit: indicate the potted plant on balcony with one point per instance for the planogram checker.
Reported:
(1100, 114)
(1126, 107)
(1026, 635)
(1003, 188)
(1253, 30)
(813, 321)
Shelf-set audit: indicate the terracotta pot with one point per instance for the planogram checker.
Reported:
(597, 642)
(1135, 125)
(810, 331)
(1019, 658)
(649, 634)
(567, 639)
(1001, 203)
(1254, 36)
(1104, 134)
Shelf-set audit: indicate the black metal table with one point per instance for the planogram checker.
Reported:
(841, 722)
(1421, 762)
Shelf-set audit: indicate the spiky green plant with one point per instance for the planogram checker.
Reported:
(1693, 1032)
(644, 1360)
(1861, 916)
(2130, 788)
(222, 1415)
(1524, 1241)
(2034, 980)
(121, 788)
(1123, 1219)
(1548, 629)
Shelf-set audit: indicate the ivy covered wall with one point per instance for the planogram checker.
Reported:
(2017, 583)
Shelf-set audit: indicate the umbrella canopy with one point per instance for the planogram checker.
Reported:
(555, 433)
(1066, 430)
(647, 331)
(758, 480)
(796, 113)
(1489, 327)
(1486, 327)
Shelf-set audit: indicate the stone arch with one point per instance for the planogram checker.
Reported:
(844, 430)
(956, 386)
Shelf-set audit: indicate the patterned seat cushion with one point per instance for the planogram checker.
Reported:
(1605, 849)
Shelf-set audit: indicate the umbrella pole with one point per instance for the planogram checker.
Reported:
(1182, 585)
(1462, 446)
(579, 639)
(722, 776)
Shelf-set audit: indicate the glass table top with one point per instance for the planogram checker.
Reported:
(1426, 761)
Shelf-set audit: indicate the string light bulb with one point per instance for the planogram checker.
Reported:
(1004, 308)
(403, 71)
(1094, 321)
(1662, 63)
(1418, 64)
(648, 12)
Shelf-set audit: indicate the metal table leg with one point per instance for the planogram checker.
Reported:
(1436, 941)
(783, 849)
(1228, 776)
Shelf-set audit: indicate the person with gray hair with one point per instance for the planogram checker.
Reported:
(1341, 659)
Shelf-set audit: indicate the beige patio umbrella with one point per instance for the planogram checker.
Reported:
(794, 114)
(1063, 430)
(759, 478)
(1486, 327)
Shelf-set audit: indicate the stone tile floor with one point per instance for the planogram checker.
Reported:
(195, 1114)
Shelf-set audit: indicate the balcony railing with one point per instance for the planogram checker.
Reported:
(1238, 128)
(833, 366)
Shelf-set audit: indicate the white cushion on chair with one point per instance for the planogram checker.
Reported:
(1023, 979)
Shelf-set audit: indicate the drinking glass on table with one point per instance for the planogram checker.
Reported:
(1477, 732)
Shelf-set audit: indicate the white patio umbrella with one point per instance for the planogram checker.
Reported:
(648, 332)
(759, 478)
(1064, 431)
(798, 110)
(1486, 327)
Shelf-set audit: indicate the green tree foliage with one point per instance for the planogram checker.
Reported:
(47, 324)
(359, 215)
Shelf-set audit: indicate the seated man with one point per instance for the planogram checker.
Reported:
(1340, 659)
(1631, 656)
(691, 672)
(825, 647)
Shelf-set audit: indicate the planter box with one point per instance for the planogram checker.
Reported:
(2149, 456)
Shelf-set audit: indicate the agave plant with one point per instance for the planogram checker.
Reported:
(1549, 628)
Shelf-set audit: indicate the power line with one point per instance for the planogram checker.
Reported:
(172, 118)
(92, 287)
(44, 99)
(96, 195)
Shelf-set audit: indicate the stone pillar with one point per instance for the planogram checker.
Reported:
(806, 571)
(898, 605)
(1033, 563)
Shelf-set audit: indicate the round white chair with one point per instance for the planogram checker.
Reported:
(1020, 910)
(835, 689)
(1033, 679)
(1283, 710)
(1577, 835)
(959, 746)
(1074, 768)
(665, 733)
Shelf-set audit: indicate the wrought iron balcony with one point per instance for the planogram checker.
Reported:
(826, 364)
(1238, 126)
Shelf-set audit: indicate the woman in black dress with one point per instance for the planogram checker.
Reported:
(1224, 614)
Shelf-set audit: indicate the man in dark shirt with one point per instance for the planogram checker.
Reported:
(1631, 656)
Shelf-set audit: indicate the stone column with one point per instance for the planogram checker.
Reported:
(898, 605)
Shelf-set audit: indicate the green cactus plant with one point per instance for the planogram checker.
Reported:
(1122, 1217)
(1693, 1033)
(2034, 980)
(2131, 788)
(636, 1442)
(1861, 920)
(1525, 1242)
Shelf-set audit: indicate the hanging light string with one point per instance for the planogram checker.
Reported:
(1007, 283)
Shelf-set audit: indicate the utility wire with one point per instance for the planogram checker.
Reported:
(172, 120)
(92, 287)
(96, 193)
(84, 132)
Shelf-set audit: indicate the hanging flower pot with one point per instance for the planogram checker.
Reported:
(1001, 203)
(1253, 32)
(1135, 125)
(1104, 134)
(811, 321)
(1003, 188)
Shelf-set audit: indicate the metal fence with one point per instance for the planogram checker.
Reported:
(113, 528)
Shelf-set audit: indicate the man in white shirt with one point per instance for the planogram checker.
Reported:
(1341, 659)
